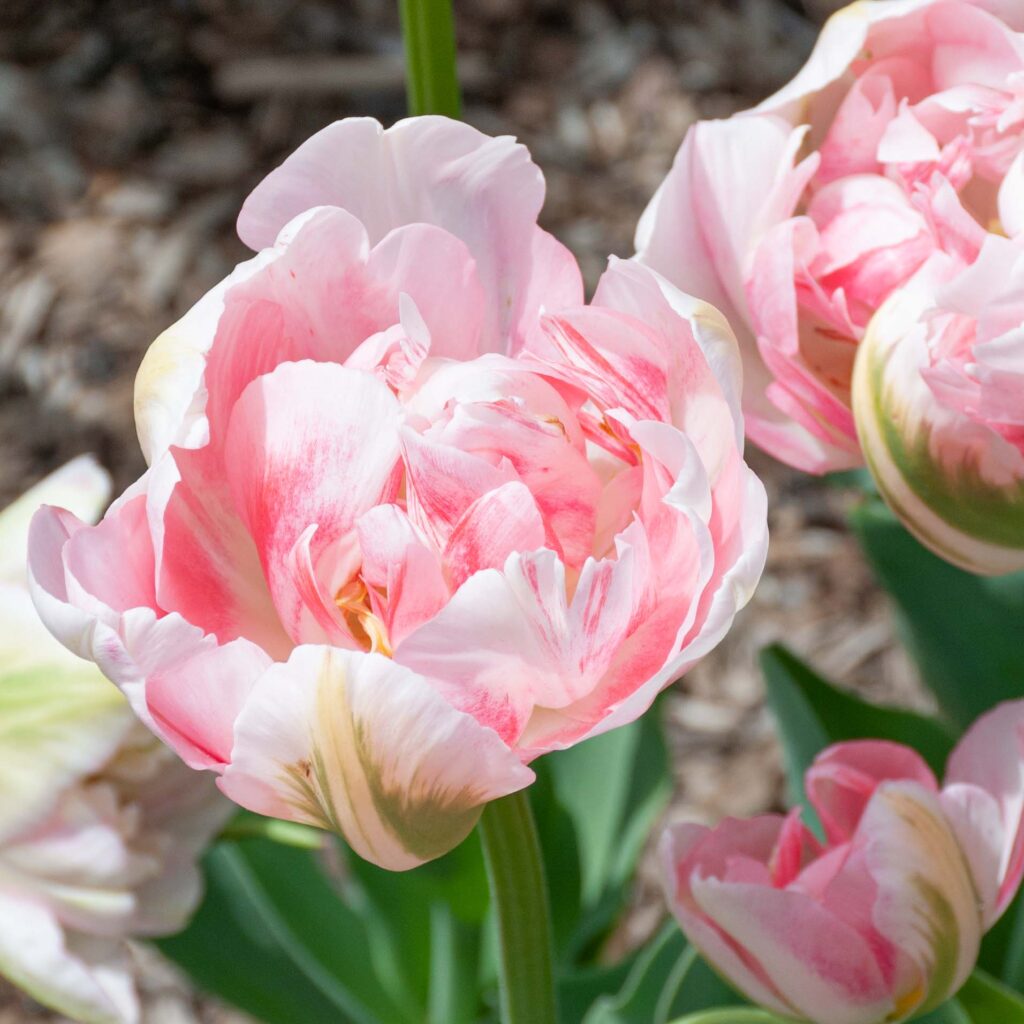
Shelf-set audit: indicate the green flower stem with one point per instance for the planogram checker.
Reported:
(520, 897)
(431, 76)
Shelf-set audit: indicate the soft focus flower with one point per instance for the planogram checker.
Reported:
(901, 139)
(414, 514)
(939, 400)
(882, 920)
(100, 825)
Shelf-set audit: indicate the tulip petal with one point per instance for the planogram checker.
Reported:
(430, 170)
(821, 966)
(956, 484)
(990, 756)
(927, 905)
(196, 701)
(58, 723)
(81, 486)
(89, 980)
(498, 524)
(680, 845)
(309, 443)
(206, 564)
(364, 747)
(844, 777)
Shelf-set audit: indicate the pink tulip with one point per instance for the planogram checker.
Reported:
(902, 138)
(414, 514)
(882, 921)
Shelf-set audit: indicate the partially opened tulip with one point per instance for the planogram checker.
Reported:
(100, 826)
(901, 142)
(415, 514)
(882, 920)
(939, 398)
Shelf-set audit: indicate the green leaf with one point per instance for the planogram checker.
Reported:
(963, 630)
(239, 948)
(1002, 949)
(609, 792)
(811, 714)
(667, 978)
(578, 990)
(949, 1013)
(733, 1016)
(287, 938)
(559, 848)
(399, 911)
(987, 1001)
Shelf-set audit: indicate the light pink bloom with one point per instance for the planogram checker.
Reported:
(882, 921)
(902, 137)
(100, 825)
(939, 400)
(414, 514)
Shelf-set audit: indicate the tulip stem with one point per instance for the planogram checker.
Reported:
(432, 80)
(520, 898)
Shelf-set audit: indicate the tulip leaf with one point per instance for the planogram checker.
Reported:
(963, 630)
(811, 713)
(288, 937)
(1002, 949)
(733, 1016)
(667, 978)
(238, 948)
(609, 792)
(987, 1000)
(949, 1013)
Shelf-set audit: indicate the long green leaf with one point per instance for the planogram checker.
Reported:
(609, 792)
(733, 1016)
(987, 1001)
(667, 978)
(811, 714)
(236, 947)
(963, 630)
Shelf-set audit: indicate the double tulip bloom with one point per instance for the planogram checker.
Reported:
(100, 825)
(415, 514)
(882, 920)
(850, 228)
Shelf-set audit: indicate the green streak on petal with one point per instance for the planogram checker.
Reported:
(945, 933)
(963, 498)
(57, 723)
(426, 818)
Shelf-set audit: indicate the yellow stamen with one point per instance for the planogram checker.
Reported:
(352, 600)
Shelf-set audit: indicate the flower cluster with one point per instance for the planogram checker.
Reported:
(883, 177)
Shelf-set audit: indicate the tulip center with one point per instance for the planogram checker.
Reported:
(367, 628)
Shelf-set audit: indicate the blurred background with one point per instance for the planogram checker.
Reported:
(130, 133)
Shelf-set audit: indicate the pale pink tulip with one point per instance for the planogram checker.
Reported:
(900, 139)
(414, 514)
(100, 825)
(883, 920)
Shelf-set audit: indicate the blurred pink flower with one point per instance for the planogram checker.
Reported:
(883, 920)
(101, 826)
(414, 514)
(901, 138)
